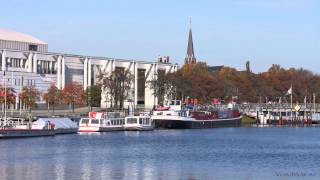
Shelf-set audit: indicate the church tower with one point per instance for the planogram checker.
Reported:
(190, 58)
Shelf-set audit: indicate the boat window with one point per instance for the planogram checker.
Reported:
(132, 120)
(85, 121)
(109, 123)
(147, 121)
(94, 121)
(140, 120)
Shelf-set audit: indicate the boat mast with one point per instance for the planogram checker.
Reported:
(5, 98)
(291, 107)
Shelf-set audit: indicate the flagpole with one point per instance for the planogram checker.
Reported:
(5, 98)
(291, 102)
(11, 92)
(20, 102)
(314, 104)
(305, 107)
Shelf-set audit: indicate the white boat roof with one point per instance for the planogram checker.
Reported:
(59, 122)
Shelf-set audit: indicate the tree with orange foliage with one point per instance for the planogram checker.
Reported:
(73, 94)
(29, 96)
(197, 81)
(53, 96)
(10, 97)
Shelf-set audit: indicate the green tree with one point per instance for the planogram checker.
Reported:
(94, 95)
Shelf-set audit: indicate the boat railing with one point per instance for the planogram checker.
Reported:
(14, 122)
(115, 121)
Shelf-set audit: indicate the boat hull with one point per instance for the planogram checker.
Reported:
(66, 131)
(20, 133)
(196, 124)
(99, 129)
(108, 129)
(138, 128)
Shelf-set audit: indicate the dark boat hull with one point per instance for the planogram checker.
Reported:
(19, 133)
(199, 124)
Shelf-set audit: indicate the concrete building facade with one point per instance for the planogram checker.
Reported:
(25, 66)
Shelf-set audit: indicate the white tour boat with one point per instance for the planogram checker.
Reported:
(138, 123)
(101, 122)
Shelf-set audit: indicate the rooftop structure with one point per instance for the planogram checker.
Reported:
(19, 41)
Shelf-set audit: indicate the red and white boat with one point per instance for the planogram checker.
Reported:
(102, 122)
(177, 117)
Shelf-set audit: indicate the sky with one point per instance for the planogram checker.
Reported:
(228, 32)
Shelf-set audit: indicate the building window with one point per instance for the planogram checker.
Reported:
(33, 47)
(46, 67)
(141, 85)
(24, 63)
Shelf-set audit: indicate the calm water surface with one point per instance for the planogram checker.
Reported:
(226, 153)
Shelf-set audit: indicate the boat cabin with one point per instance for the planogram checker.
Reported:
(138, 123)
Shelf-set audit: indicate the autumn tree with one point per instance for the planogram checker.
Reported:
(73, 94)
(7, 95)
(53, 96)
(197, 81)
(29, 96)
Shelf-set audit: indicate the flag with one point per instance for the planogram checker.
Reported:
(305, 100)
(280, 100)
(289, 92)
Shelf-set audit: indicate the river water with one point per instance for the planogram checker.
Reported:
(225, 153)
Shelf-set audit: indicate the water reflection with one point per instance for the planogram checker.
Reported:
(191, 154)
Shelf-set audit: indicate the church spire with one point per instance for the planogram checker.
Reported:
(190, 58)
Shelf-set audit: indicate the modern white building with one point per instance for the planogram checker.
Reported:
(26, 61)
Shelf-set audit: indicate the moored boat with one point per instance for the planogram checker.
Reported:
(138, 123)
(101, 122)
(18, 128)
(177, 117)
(61, 125)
